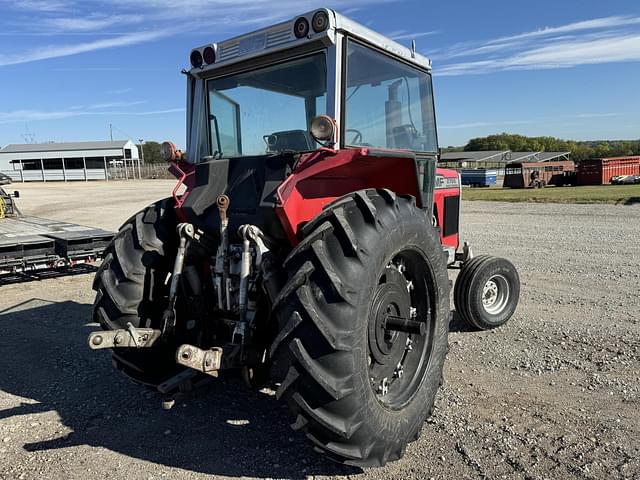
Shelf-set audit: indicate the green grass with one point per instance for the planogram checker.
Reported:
(615, 194)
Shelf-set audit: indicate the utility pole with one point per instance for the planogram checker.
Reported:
(27, 135)
(142, 154)
(111, 132)
(142, 149)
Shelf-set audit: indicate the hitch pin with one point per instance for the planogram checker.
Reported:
(134, 334)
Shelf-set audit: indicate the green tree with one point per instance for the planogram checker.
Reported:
(579, 150)
(151, 152)
(602, 150)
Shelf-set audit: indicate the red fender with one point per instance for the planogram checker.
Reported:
(322, 176)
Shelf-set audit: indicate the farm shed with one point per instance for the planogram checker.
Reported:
(66, 161)
(599, 171)
(488, 159)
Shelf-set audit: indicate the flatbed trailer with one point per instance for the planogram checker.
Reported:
(29, 244)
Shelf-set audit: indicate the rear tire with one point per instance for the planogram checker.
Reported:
(131, 287)
(344, 277)
(486, 292)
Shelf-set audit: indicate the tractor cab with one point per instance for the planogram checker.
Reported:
(316, 81)
(260, 92)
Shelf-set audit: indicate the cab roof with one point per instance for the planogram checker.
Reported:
(281, 37)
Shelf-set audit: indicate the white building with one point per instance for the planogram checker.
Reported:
(67, 161)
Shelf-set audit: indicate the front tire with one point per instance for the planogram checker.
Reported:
(368, 257)
(486, 292)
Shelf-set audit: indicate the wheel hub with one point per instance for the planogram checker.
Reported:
(390, 299)
(398, 333)
(495, 294)
(489, 293)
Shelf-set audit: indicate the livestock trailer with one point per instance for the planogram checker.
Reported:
(538, 174)
(600, 171)
(478, 177)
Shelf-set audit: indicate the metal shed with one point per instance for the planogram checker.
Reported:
(483, 159)
(67, 161)
(531, 157)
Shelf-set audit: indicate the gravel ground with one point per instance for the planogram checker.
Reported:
(553, 394)
(95, 204)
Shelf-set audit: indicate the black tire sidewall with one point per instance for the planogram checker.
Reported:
(401, 425)
(324, 317)
(491, 267)
(144, 247)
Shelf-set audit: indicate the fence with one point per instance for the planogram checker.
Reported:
(130, 172)
(147, 171)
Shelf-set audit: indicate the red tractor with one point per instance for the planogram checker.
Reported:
(308, 248)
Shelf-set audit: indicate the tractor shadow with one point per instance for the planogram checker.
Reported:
(225, 430)
(458, 325)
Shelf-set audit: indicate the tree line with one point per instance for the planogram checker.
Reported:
(580, 150)
(504, 141)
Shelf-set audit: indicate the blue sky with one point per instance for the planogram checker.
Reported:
(566, 68)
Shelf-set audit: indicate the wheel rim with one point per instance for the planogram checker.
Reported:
(398, 353)
(495, 294)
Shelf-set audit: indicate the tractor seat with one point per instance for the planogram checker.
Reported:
(297, 140)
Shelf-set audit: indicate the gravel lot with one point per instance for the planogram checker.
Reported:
(553, 394)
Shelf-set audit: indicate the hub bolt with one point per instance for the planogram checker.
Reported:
(409, 345)
(383, 388)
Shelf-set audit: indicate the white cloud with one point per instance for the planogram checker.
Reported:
(102, 106)
(19, 116)
(580, 52)
(594, 24)
(154, 112)
(561, 54)
(485, 124)
(406, 35)
(515, 41)
(594, 115)
(56, 18)
(40, 5)
(56, 51)
(89, 24)
(600, 40)
(119, 91)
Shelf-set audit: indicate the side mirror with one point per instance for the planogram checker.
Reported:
(16, 194)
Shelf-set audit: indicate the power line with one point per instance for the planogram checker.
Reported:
(112, 128)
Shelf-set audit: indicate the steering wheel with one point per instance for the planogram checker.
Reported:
(357, 139)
